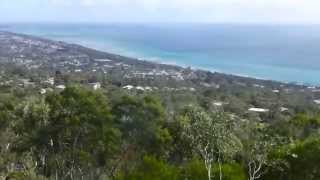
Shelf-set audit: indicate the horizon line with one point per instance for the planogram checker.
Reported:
(157, 23)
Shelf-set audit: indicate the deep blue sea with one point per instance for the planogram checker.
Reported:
(288, 53)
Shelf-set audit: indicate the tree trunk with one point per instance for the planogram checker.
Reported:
(209, 172)
(56, 175)
(220, 169)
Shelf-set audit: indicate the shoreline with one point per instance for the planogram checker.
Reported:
(195, 68)
(161, 61)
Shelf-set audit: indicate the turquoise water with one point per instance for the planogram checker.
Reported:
(283, 53)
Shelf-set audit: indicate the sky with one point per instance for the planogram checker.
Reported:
(140, 11)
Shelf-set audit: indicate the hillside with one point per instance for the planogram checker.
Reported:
(71, 112)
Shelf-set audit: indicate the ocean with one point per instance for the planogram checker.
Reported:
(287, 53)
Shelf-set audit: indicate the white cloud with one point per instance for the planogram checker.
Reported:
(288, 11)
(60, 2)
(88, 2)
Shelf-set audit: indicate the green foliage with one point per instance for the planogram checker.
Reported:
(181, 148)
(195, 170)
(82, 134)
(214, 130)
(300, 160)
(211, 136)
(230, 171)
(302, 126)
(142, 123)
(73, 130)
(152, 169)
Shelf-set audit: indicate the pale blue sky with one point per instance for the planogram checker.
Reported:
(212, 11)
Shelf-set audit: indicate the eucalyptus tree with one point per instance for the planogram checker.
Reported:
(211, 136)
(142, 121)
(71, 134)
(258, 143)
(257, 156)
(7, 135)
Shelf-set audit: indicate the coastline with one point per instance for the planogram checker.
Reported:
(199, 68)
(175, 62)
(160, 60)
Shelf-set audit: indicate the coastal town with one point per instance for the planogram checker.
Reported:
(48, 66)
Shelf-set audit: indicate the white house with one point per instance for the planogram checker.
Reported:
(217, 103)
(276, 91)
(43, 91)
(50, 81)
(128, 87)
(62, 87)
(259, 110)
(95, 86)
(283, 109)
(317, 101)
(140, 88)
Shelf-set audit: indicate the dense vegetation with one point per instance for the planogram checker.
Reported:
(78, 133)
